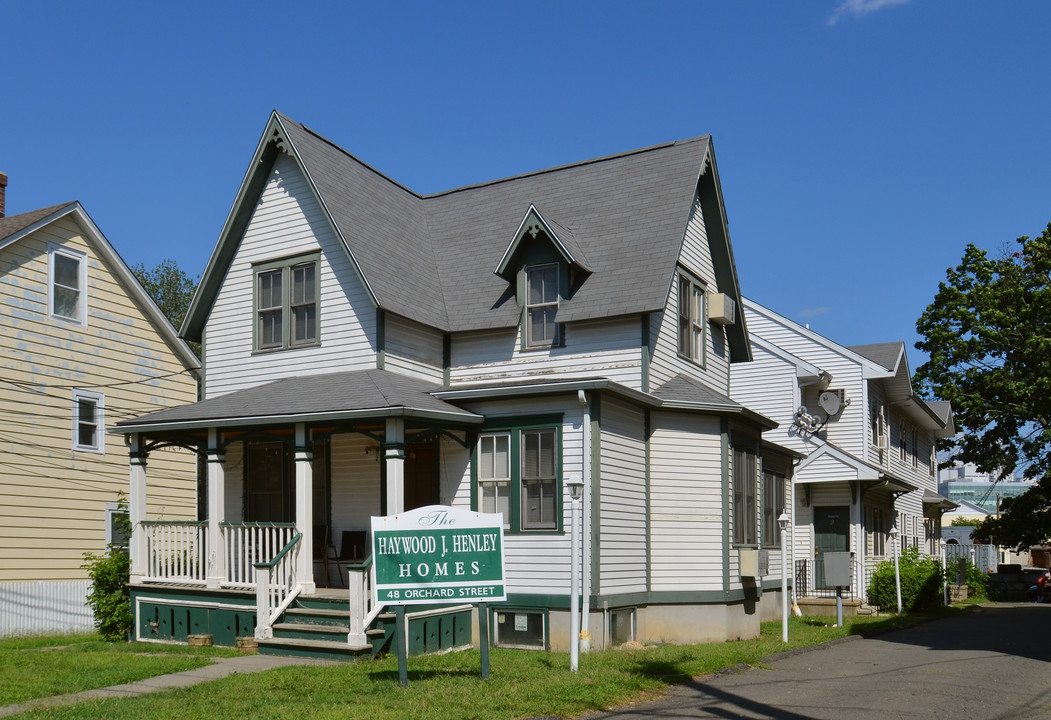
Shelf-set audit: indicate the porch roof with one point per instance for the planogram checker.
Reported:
(352, 395)
(934, 500)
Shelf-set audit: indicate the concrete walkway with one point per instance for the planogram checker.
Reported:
(220, 668)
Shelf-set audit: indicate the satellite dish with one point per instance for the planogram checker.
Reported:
(830, 402)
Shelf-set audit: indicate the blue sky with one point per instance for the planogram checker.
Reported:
(861, 144)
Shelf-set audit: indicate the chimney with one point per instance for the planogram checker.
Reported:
(3, 192)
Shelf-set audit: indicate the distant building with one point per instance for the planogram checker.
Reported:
(964, 483)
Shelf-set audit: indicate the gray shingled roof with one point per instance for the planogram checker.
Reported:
(682, 392)
(432, 258)
(352, 394)
(883, 354)
(14, 223)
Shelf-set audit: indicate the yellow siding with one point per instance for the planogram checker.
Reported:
(52, 498)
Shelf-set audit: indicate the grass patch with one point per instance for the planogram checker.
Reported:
(42, 666)
(448, 687)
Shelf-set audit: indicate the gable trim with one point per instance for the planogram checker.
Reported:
(504, 269)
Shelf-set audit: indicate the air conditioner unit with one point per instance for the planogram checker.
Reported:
(721, 309)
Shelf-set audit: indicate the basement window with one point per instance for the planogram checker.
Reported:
(522, 629)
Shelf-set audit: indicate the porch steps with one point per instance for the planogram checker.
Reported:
(318, 626)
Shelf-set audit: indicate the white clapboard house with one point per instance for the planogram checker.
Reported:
(369, 350)
(868, 447)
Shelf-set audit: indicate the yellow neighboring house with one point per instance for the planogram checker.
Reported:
(83, 347)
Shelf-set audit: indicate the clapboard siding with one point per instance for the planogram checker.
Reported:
(288, 221)
(686, 503)
(413, 349)
(622, 510)
(607, 348)
(53, 498)
(666, 363)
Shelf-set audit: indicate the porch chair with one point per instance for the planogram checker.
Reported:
(352, 549)
(325, 552)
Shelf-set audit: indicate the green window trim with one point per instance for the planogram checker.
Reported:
(286, 303)
(518, 435)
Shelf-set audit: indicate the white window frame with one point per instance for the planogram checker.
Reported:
(691, 314)
(56, 251)
(544, 305)
(113, 509)
(99, 401)
(499, 479)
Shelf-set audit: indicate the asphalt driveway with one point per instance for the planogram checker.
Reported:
(994, 662)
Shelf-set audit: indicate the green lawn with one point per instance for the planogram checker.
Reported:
(522, 683)
(34, 667)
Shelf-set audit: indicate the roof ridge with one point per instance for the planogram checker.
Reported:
(558, 168)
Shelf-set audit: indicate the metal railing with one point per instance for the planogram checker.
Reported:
(806, 581)
(276, 586)
(248, 543)
(176, 551)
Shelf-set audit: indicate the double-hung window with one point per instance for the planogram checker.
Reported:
(88, 427)
(903, 449)
(691, 314)
(744, 496)
(286, 303)
(773, 505)
(67, 283)
(542, 286)
(517, 475)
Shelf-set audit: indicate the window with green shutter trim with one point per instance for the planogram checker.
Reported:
(286, 303)
(517, 474)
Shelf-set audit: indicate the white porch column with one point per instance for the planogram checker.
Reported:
(394, 455)
(137, 508)
(216, 510)
(305, 509)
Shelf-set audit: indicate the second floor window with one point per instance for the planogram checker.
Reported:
(67, 278)
(286, 304)
(541, 305)
(691, 319)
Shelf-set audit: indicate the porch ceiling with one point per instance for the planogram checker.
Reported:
(354, 395)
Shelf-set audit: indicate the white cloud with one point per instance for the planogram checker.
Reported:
(812, 312)
(859, 8)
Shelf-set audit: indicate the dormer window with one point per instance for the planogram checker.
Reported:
(542, 285)
(286, 303)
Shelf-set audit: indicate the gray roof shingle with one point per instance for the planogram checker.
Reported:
(353, 394)
(883, 354)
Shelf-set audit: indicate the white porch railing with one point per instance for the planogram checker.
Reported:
(360, 580)
(176, 551)
(276, 587)
(248, 543)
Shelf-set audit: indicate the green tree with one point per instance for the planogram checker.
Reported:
(170, 287)
(988, 337)
(172, 290)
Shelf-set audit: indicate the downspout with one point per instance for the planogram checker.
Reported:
(585, 634)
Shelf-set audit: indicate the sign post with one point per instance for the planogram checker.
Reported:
(438, 555)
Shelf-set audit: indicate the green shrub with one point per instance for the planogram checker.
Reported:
(977, 581)
(110, 597)
(921, 582)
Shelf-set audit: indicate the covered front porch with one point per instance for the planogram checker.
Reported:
(291, 473)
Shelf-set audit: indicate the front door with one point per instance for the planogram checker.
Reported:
(831, 534)
(421, 474)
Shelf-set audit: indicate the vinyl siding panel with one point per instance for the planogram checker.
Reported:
(696, 257)
(609, 348)
(538, 563)
(622, 509)
(288, 221)
(413, 349)
(52, 497)
(686, 503)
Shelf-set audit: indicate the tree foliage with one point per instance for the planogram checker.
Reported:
(989, 340)
(170, 287)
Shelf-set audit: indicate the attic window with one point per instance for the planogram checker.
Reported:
(286, 303)
(691, 314)
(542, 285)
